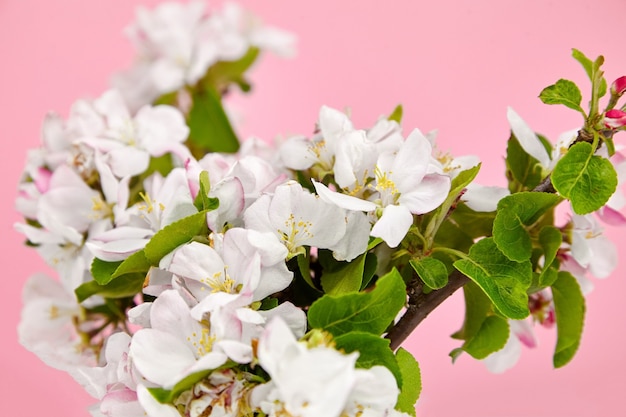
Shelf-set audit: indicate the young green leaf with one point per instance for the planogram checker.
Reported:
(563, 92)
(504, 281)
(491, 337)
(370, 312)
(569, 309)
(586, 179)
(411, 382)
(591, 68)
(347, 278)
(515, 214)
(477, 308)
(128, 286)
(102, 271)
(203, 201)
(136, 262)
(433, 272)
(373, 350)
(210, 129)
(174, 235)
(396, 114)
(550, 239)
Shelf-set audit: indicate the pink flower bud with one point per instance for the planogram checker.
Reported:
(614, 119)
(619, 86)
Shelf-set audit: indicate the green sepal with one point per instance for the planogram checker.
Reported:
(411, 382)
(587, 180)
(370, 312)
(516, 213)
(569, 310)
(504, 281)
(174, 235)
(432, 271)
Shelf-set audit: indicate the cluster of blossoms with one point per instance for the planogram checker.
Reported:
(264, 282)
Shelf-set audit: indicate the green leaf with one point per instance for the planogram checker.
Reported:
(174, 235)
(370, 312)
(305, 268)
(591, 68)
(563, 92)
(411, 382)
(516, 213)
(504, 281)
(432, 271)
(137, 262)
(369, 270)
(550, 239)
(203, 201)
(475, 223)
(223, 73)
(345, 279)
(128, 286)
(210, 129)
(373, 350)
(396, 114)
(569, 309)
(548, 275)
(102, 271)
(491, 337)
(523, 171)
(477, 308)
(586, 179)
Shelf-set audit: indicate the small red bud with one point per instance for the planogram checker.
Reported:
(614, 119)
(619, 86)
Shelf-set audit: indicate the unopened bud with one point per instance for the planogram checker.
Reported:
(614, 119)
(619, 86)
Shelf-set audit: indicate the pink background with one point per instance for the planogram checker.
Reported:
(454, 65)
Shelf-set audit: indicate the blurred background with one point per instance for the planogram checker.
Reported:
(454, 65)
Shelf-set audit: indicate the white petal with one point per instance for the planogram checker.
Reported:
(527, 138)
(428, 195)
(342, 200)
(483, 198)
(393, 225)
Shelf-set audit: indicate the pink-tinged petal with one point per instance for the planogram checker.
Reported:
(393, 225)
(230, 194)
(618, 87)
(121, 402)
(611, 217)
(614, 119)
(237, 351)
(108, 182)
(197, 261)
(527, 138)
(345, 201)
(484, 198)
(42, 180)
(524, 332)
(167, 76)
(428, 195)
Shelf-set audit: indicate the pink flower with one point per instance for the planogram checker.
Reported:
(614, 119)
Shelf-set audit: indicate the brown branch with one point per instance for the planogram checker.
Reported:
(421, 305)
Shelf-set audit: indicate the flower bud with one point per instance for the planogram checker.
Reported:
(614, 119)
(619, 86)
